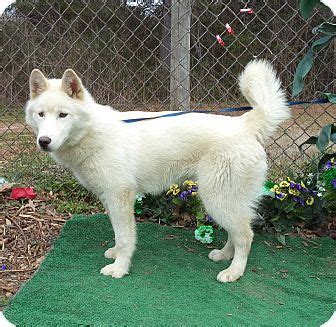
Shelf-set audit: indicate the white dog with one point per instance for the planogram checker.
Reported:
(116, 160)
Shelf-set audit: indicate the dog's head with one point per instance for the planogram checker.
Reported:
(57, 110)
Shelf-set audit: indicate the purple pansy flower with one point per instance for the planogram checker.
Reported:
(183, 195)
(3, 267)
(298, 186)
(327, 165)
(209, 218)
(333, 182)
(280, 196)
(298, 200)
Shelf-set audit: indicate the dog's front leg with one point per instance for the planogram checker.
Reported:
(121, 211)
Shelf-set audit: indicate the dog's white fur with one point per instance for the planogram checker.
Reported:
(116, 160)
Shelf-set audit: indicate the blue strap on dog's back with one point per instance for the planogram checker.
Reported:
(179, 113)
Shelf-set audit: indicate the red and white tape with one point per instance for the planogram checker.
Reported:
(220, 40)
(247, 10)
(229, 29)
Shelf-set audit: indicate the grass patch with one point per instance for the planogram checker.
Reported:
(40, 171)
(10, 116)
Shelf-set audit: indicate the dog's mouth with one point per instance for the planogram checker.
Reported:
(45, 149)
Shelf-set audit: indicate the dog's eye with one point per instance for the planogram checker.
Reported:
(41, 114)
(62, 115)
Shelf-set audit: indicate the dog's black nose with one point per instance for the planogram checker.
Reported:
(44, 141)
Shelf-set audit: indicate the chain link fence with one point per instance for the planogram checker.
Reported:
(155, 55)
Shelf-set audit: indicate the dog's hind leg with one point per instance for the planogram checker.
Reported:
(228, 196)
(241, 237)
(236, 222)
(226, 253)
(120, 209)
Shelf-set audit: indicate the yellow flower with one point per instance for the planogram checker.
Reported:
(173, 189)
(283, 197)
(284, 184)
(294, 191)
(310, 201)
(302, 184)
(193, 193)
(275, 189)
(176, 191)
(190, 184)
(290, 180)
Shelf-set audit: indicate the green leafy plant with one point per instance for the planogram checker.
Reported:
(186, 201)
(290, 201)
(309, 197)
(326, 139)
(155, 208)
(324, 165)
(180, 202)
(305, 65)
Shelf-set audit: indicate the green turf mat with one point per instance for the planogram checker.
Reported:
(172, 282)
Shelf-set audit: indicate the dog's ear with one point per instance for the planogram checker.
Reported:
(37, 83)
(72, 85)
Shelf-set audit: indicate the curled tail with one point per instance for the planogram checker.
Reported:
(262, 89)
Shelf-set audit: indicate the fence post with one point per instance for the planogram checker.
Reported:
(180, 55)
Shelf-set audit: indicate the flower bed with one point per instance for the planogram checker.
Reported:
(308, 199)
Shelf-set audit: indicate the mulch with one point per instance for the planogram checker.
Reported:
(28, 229)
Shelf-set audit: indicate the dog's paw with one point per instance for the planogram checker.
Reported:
(228, 276)
(111, 253)
(114, 270)
(218, 255)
